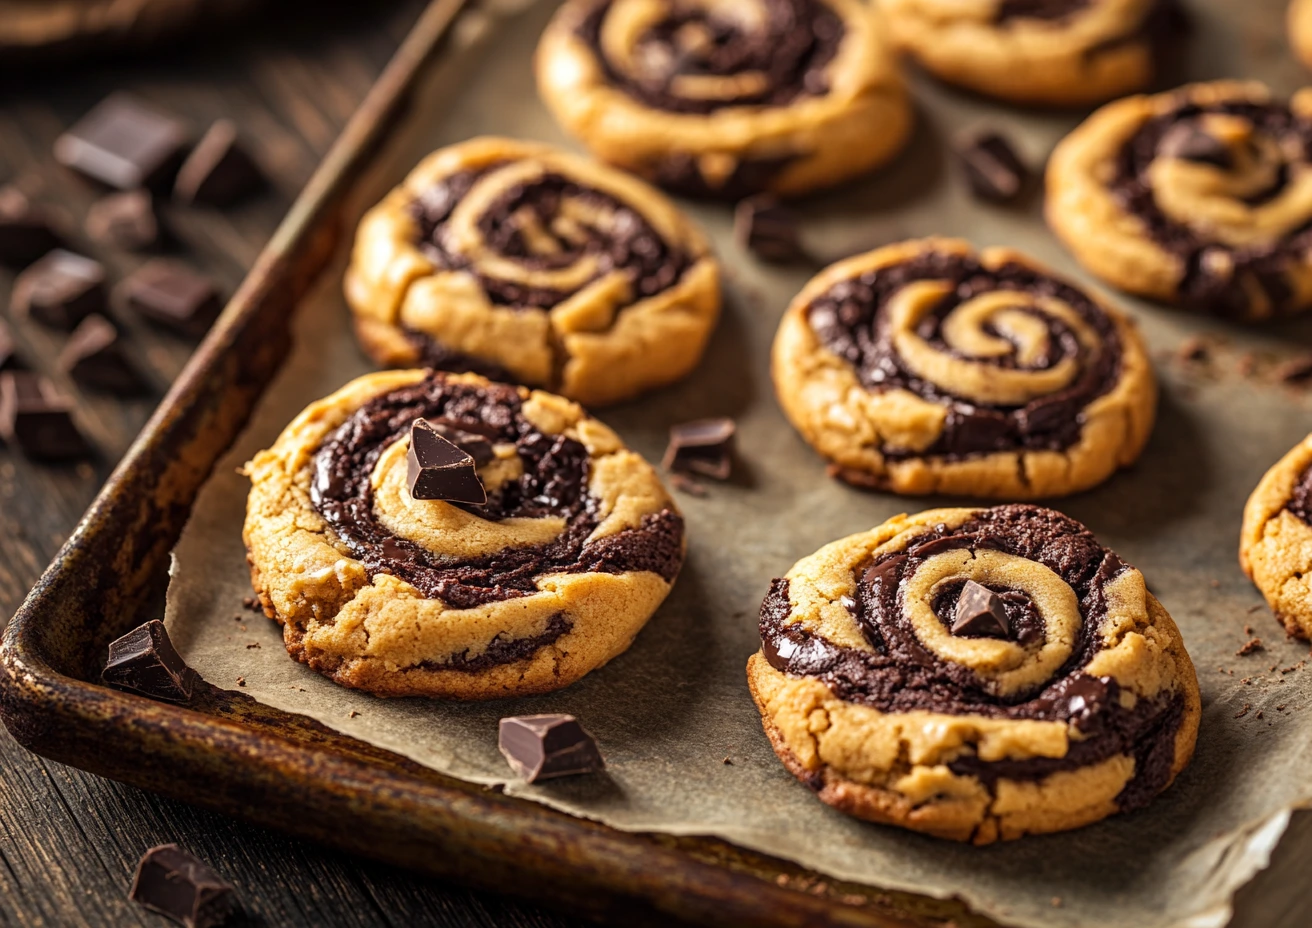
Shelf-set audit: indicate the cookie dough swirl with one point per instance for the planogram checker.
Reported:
(1275, 544)
(577, 544)
(925, 367)
(518, 261)
(1201, 197)
(1085, 706)
(726, 99)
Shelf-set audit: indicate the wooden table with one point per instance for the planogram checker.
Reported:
(69, 840)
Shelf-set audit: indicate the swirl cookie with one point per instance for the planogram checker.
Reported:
(925, 367)
(1200, 197)
(576, 546)
(1300, 30)
(1053, 52)
(1275, 546)
(727, 99)
(524, 263)
(977, 674)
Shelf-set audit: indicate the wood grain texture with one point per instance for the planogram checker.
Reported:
(69, 840)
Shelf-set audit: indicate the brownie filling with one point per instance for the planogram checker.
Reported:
(1300, 502)
(1219, 279)
(851, 321)
(554, 483)
(775, 64)
(900, 675)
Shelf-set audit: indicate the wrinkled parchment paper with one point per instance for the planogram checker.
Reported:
(682, 739)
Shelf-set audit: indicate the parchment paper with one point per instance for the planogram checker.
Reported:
(670, 711)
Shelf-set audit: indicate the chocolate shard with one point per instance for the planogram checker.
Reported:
(992, 167)
(980, 613)
(768, 229)
(218, 172)
(478, 447)
(124, 220)
(94, 356)
(174, 883)
(26, 232)
(1190, 143)
(9, 357)
(883, 572)
(144, 661)
(539, 747)
(123, 143)
(36, 419)
(60, 290)
(704, 446)
(438, 469)
(172, 295)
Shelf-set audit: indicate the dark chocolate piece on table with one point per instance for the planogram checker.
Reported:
(144, 661)
(439, 469)
(123, 143)
(37, 419)
(124, 220)
(94, 356)
(26, 232)
(980, 613)
(1190, 143)
(539, 747)
(218, 171)
(60, 290)
(768, 229)
(992, 167)
(174, 883)
(9, 357)
(172, 295)
(704, 446)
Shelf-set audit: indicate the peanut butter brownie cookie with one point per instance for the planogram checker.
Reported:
(521, 262)
(977, 674)
(1200, 197)
(924, 367)
(1054, 52)
(1275, 547)
(727, 99)
(573, 550)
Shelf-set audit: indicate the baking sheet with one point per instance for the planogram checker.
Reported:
(683, 743)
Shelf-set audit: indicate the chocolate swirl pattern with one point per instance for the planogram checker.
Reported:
(576, 546)
(1062, 52)
(1087, 706)
(1275, 544)
(514, 260)
(924, 367)
(1201, 197)
(726, 99)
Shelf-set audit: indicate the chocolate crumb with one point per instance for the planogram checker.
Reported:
(1251, 646)
(1296, 371)
(728, 762)
(352, 714)
(1244, 711)
(1251, 610)
(241, 681)
(1193, 349)
(1248, 630)
(253, 644)
(1259, 713)
(1281, 707)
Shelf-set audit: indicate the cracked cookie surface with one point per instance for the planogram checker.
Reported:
(925, 367)
(1275, 545)
(576, 547)
(1082, 704)
(727, 99)
(522, 262)
(1054, 52)
(1201, 197)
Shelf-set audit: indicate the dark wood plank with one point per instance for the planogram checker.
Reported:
(68, 840)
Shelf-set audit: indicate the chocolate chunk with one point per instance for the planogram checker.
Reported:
(144, 661)
(26, 232)
(883, 572)
(172, 295)
(123, 143)
(9, 359)
(992, 167)
(35, 418)
(94, 356)
(478, 447)
(540, 747)
(1190, 143)
(124, 220)
(980, 613)
(768, 229)
(60, 290)
(218, 172)
(174, 883)
(438, 469)
(704, 446)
